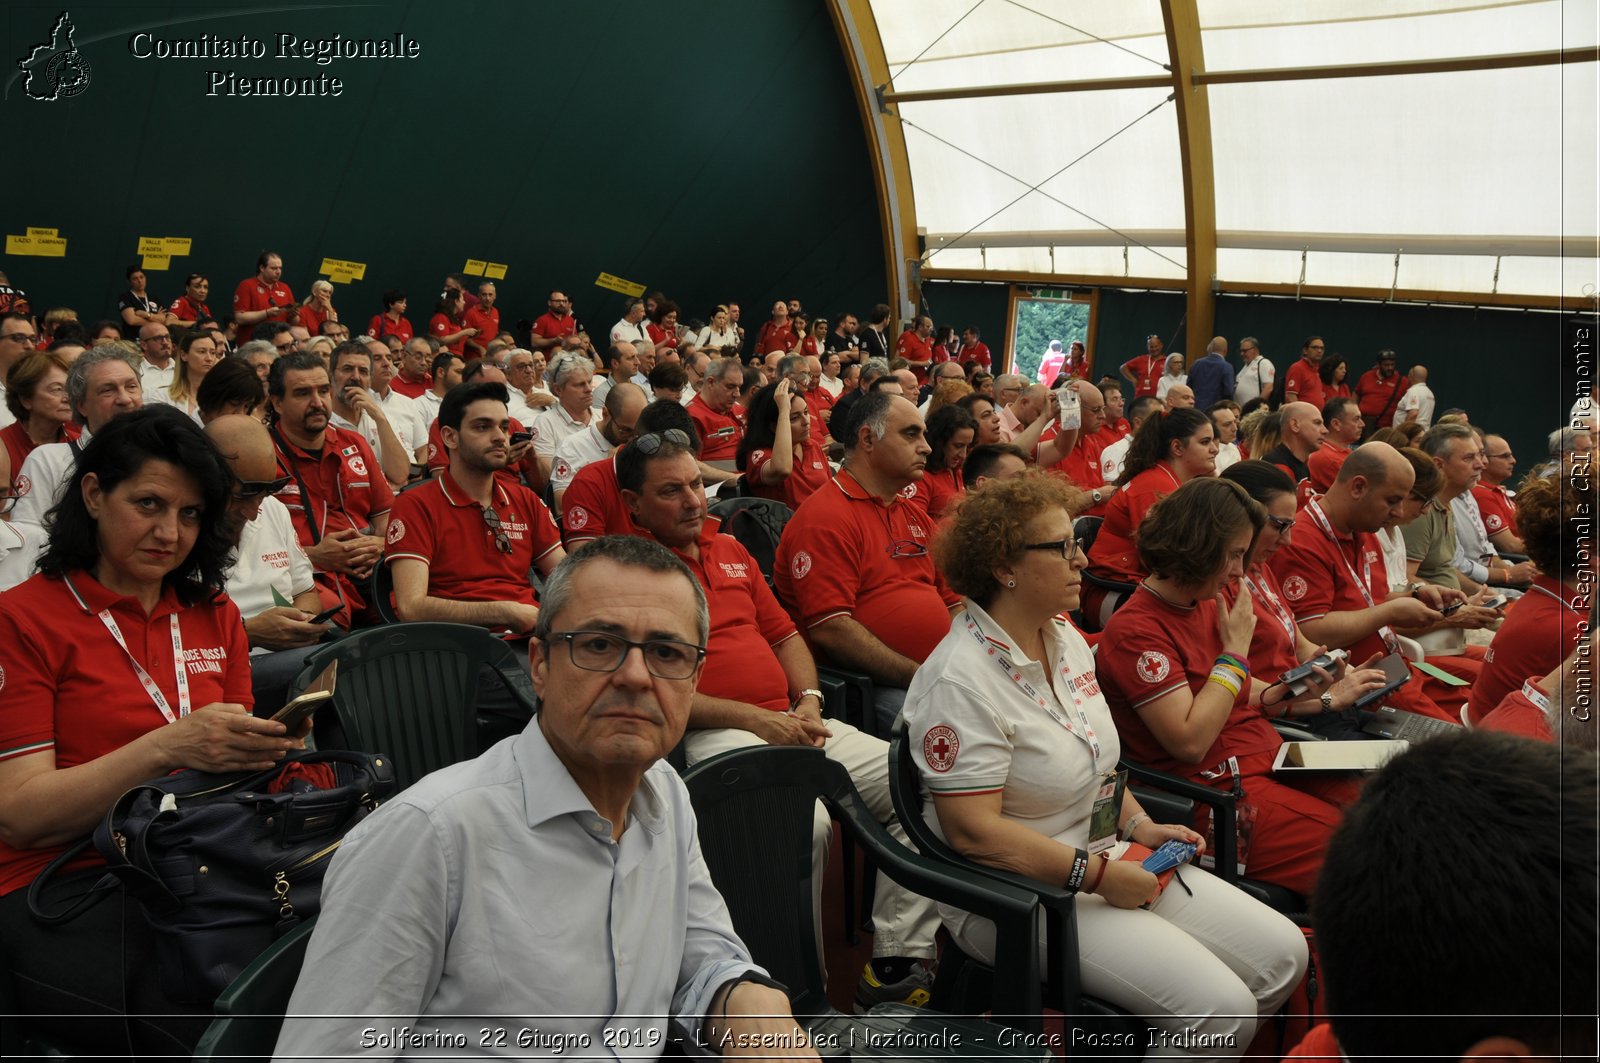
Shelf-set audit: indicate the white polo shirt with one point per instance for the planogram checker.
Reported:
(551, 426)
(269, 559)
(1252, 378)
(575, 452)
(405, 418)
(154, 378)
(1113, 458)
(974, 730)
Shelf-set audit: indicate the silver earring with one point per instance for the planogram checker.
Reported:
(1011, 583)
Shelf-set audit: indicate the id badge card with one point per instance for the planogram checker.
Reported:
(1107, 808)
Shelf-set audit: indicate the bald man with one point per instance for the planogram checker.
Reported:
(271, 567)
(1081, 463)
(1302, 433)
(1417, 403)
(1211, 376)
(1180, 397)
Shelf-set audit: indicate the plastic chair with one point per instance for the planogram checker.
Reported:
(411, 690)
(250, 1011)
(755, 808)
(976, 983)
(1086, 530)
(757, 523)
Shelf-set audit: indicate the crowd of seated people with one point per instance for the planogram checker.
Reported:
(468, 461)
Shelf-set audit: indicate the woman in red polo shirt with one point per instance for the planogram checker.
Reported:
(123, 661)
(1335, 374)
(1277, 644)
(777, 455)
(318, 307)
(36, 395)
(393, 321)
(1167, 451)
(951, 431)
(1174, 663)
(662, 327)
(1548, 620)
(446, 325)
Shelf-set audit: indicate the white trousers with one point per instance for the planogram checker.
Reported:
(1202, 969)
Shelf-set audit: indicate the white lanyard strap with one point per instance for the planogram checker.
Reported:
(1320, 519)
(1015, 675)
(150, 688)
(1565, 603)
(1264, 590)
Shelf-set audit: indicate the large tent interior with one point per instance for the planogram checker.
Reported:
(1417, 175)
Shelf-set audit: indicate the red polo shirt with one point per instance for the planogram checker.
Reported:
(412, 389)
(1082, 464)
(487, 322)
(70, 690)
(1114, 555)
(1324, 463)
(1145, 371)
(441, 526)
(719, 432)
(775, 337)
(915, 348)
(1540, 629)
(346, 488)
(817, 402)
(1305, 381)
(1378, 397)
(382, 326)
(311, 320)
(809, 474)
(1495, 506)
(188, 310)
(593, 506)
(747, 624)
(845, 553)
(1311, 569)
(977, 352)
(439, 457)
(550, 327)
(1518, 715)
(1150, 649)
(440, 326)
(944, 488)
(251, 294)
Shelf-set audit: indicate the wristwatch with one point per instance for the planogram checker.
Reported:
(810, 694)
(1095, 494)
(1327, 701)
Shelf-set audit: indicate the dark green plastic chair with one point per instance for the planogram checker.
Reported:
(411, 691)
(755, 808)
(250, 1011)
(974, 984)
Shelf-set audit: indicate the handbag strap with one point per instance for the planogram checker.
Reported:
(36, 888)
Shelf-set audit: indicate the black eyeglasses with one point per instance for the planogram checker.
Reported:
(502, 541)
(601, 651)
(1283, 524)
(249, 489)
(1065, 547)
(900, 549)
(650, 442)
(17, 337)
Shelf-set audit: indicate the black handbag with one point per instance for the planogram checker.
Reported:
(222, 864)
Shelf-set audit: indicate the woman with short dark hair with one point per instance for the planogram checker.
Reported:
(123, 661)
(779, 458)
(1175, 665)
(951, 432)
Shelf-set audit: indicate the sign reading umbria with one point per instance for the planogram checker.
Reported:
(287, 47)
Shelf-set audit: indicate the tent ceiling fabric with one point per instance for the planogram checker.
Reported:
(1491, 173)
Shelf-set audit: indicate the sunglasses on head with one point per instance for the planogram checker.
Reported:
(249, 489)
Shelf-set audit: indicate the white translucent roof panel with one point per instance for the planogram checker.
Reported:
(1158, 262)
(1004, 43)
(1133, 181)
(1470, 153)
(1266, 34)
(1520, 275)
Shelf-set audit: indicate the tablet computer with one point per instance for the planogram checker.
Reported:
(1298, 757)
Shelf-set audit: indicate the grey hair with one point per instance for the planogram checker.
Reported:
(1565, 440)
(720, 368)
(870, 410)
(791, 363)
(257, 347)
(1010, 380)
(565, 365)
(78, 375)
(630, 550)
(1252, 341)
(1436, 440)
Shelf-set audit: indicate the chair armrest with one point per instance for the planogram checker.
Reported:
(1292, 732)
(855, 698)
